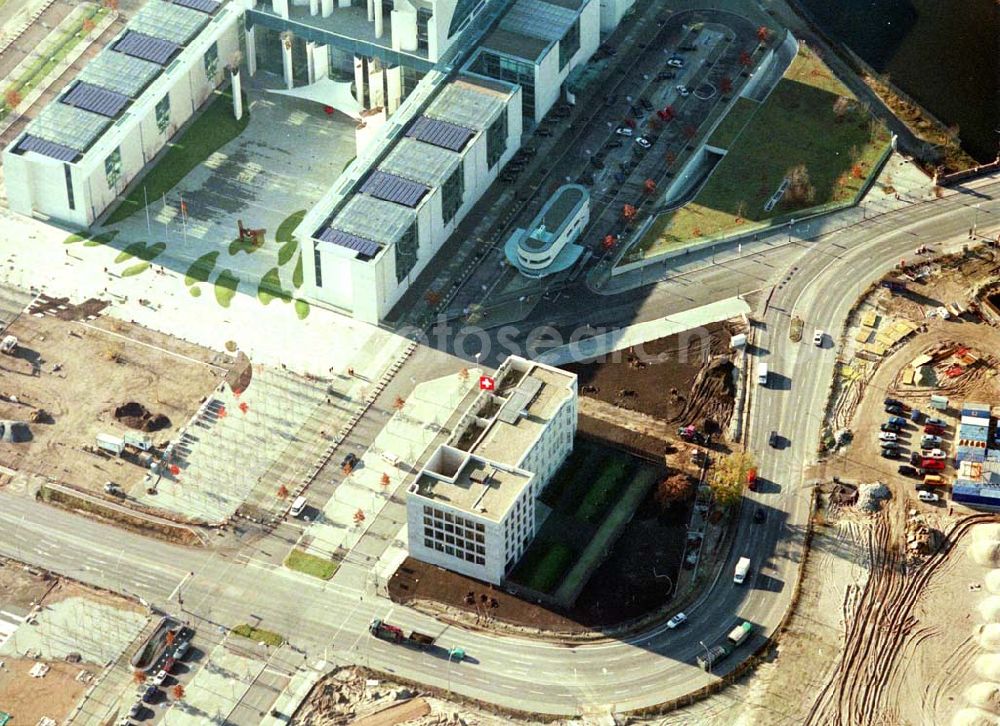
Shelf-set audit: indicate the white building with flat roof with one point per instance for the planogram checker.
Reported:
(547, 246)
(369, 245)
(81, 151)
(472, 507)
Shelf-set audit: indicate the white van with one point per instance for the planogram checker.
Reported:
(391, 458)
(742, 568)
(762, 374)
(297, 506)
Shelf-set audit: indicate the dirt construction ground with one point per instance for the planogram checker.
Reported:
(28, 699)
(78, 368)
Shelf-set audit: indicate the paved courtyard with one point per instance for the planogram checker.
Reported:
(408, 434)
(290, 153)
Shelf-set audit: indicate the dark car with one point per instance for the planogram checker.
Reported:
(666, 75)
(644, 102)
(894, 409)
(350, 460)
(889, 427)
(772, 440)
(906, 470)
(933, 429)
(760, 515)
(936, 422)
(544, 131)
(688, 48)
(614, 144)
(596, 163)
(892, 402)
(889, 453)
(586, 179)
(150, 694)
(915, 458)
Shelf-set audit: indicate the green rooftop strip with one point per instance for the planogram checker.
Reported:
(811, 123)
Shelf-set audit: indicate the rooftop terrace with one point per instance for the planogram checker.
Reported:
(478, 486)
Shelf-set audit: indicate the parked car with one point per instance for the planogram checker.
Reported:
(915, 458)
(930, 439)
(683, 91)
(159, 678)
(889, 427)
(892, 402)
(675, 62)
(915, 415)
(936, 454)
(898, 421)
(932, 429)
(687, 48)
(643, 142)
(666, 75)
(906, 470)
(889, 445)
(928, 497)
(890, 453)
(937, 422)
(613, 144)
(136, 709)
(772, 440)
(752, 480)
(887, 436)
(150, 694)
(644, 102)
(542, 131)
(350, 460)
(677, 620)
(624, 131)
(181, 650)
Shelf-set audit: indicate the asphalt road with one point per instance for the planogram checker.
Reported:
(816, 280)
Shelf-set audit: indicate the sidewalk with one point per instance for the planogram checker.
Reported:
(644, 332)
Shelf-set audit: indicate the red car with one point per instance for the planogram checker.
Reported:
(932, 464)
(752, 480)
(932, 429)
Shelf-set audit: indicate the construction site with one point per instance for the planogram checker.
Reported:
(898, 616)
(90, 401)
(59, 640)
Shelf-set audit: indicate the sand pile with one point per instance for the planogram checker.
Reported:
(989, 608)
(870, 496)
(989, 636)
(986, 552)
(985, 696)
(974, 717)
(988, 667)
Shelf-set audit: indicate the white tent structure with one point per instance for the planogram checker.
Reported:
(336, 94)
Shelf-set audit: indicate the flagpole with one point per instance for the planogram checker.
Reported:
(149, 226)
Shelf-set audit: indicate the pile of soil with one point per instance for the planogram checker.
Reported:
(136, 416)
(712, 397)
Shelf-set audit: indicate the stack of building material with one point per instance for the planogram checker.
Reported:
(973, 433)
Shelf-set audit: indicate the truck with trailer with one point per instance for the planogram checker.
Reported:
(394, 634)
(713, 655)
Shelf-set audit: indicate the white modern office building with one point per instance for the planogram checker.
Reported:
(84, 147)
(472, 507)
(536, 45)
(371, 243)
(612, 12)
(547, 246)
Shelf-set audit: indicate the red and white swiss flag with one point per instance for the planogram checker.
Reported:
(486, 383)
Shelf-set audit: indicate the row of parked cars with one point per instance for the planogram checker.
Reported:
(150, 692)
(925, 461)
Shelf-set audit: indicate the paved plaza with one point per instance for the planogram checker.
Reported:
(408, 434)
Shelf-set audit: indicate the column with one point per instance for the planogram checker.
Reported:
(359, 80)
(327, 8)
(286, 58)
(314, 7)
(371, 10)
(310, 62)
(237, 87)
(378, 18)
(321, 62)
(280, 8)
(251, 59)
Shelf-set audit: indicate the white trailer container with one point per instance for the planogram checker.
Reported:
(110, 443)
(742, 568)
(138, 440)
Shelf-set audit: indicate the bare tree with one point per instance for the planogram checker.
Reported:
(800, 190)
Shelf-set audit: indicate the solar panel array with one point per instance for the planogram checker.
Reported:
(46, 148)
(119, 72)
(364, 247)
(205, 6)
(146, 47)
(94, 98)
(169, 22)
(393, 188)
(440, 133)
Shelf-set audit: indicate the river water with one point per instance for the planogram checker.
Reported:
(943, 53)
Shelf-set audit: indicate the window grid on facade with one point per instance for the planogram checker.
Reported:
(452, 193)
(212, 60)
(513, 71)
(113, 167)
(163, 113)
(569, 44)
(496, 140)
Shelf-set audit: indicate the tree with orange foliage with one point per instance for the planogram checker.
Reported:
(763, 34)
(177, 692)
(359, 517)
(282, 492)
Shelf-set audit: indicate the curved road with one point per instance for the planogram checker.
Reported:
(817, 280)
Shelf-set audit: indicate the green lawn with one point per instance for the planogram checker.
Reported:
(210, 131)
(727, 131)
(225, 287)
(607, 484)
(796, 126)
(310, 564)
(544, 565)
(258, 635)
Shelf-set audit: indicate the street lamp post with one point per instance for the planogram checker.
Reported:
(450, 654)
(708, 655)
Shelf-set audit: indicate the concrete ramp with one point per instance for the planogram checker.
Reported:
(640, 333)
